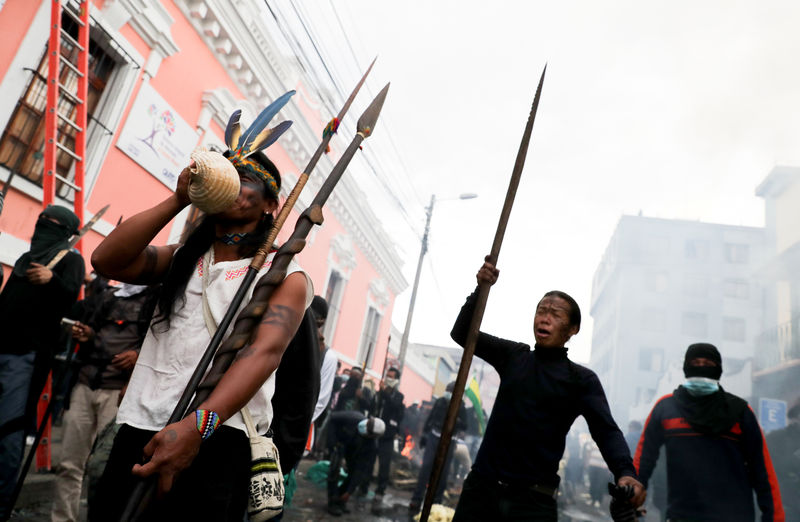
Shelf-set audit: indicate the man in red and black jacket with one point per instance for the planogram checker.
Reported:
(716, 455)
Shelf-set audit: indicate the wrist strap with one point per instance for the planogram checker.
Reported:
(207, 422)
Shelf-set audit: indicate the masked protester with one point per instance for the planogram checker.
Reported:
(351, 437)
(109, 340)
(353, 396)
(431, 433)
(32, 304)
(388, 406)
(716, 455)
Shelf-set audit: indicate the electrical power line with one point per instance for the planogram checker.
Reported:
(308, 67)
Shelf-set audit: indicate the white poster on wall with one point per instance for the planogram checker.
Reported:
(156, 137)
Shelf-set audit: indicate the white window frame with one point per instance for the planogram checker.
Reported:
(109, 110)
(363, 344)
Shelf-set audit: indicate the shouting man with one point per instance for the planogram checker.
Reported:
(541, 394)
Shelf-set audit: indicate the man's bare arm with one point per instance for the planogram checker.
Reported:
(126, 254)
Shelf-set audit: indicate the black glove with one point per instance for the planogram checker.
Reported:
(423, 441)
(621, 508)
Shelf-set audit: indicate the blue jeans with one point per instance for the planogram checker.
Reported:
(15, 380)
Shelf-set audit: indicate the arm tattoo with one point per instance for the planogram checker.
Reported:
(247, 351)
(150, 260)
(171, 435)
(282, 317)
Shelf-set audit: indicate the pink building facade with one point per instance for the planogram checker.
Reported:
(165, 76)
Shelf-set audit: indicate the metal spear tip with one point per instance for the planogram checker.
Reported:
(366, 123)
(357, 88)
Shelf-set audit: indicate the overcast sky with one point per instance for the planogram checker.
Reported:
(676, 109)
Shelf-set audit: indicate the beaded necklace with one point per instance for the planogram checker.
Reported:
(232, 239)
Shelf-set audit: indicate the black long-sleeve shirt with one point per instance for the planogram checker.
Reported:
(388, 405)
(30, 314)
(541, 394)
(435, 421)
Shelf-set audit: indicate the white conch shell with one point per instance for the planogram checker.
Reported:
(214, 184)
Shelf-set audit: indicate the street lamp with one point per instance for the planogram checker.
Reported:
(401, 357)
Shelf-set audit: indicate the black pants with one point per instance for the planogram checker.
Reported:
(385, 453)
(428, 458)
(355, 453)
(483, 499)
(214, 487)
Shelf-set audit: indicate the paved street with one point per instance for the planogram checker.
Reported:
(309, 504)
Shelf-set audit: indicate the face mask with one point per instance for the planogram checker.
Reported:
(698, 386)
(345, 378)
(390, 383)
(448, 395)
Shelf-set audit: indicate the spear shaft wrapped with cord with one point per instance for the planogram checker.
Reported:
(248, 319)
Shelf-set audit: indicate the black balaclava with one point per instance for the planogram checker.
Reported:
(706, 351)
(48, 237)
(713, 414)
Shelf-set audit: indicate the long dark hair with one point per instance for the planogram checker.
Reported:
(198, 242)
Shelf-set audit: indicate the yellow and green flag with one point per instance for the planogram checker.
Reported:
(474, 395)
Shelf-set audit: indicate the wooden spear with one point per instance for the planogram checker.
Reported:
(137, 497)
(477, 316)
(248, 319)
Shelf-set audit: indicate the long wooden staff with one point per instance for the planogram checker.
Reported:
(248, 319)
(477, 316)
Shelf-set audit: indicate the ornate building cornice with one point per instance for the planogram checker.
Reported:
(149, 19)
(263, 69)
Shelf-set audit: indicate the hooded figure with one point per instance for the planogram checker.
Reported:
(50, 235)
(707, 407)
(32, 304)
(716, 457)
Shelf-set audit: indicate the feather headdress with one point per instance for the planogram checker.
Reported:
(243, 143)
(257, 136)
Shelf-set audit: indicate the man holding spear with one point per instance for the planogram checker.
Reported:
(216, 477)
(541, 393)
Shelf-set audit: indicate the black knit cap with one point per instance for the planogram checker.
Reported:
(705, 351)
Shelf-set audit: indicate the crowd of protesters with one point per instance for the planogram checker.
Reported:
(700, 454)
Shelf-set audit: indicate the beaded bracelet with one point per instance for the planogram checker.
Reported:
(207, 422)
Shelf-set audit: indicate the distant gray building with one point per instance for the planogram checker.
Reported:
(776, 368)
(664, 284)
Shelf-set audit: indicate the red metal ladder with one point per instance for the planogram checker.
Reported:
(52, 146)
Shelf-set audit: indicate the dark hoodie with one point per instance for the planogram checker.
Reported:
(30, 314)
(716, 455)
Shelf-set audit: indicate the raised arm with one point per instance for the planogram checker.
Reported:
(494, 350)
(126, 254)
